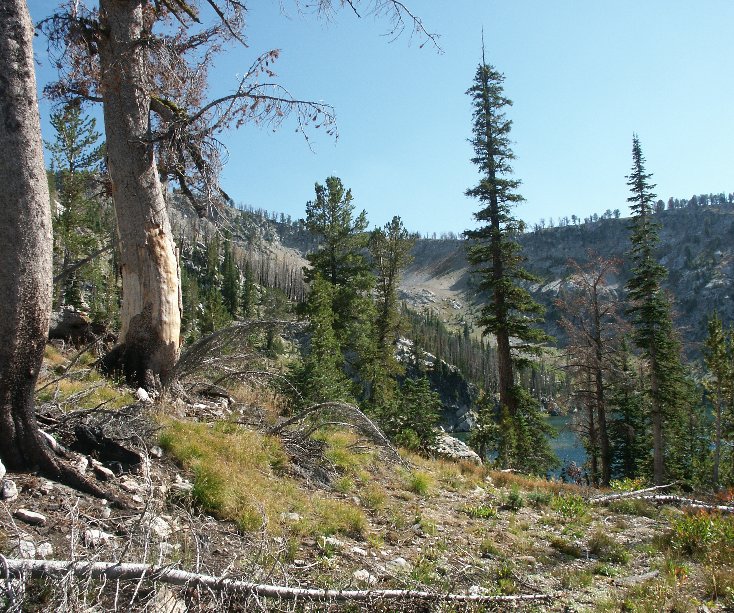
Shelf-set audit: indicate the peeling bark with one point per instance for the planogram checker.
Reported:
(150, 315)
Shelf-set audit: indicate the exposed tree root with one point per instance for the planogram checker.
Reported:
(173, 576)
(62, 472)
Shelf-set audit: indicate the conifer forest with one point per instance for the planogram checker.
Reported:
(210, 405)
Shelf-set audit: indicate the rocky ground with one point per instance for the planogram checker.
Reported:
(431, 525)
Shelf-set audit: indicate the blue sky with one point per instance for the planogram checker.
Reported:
(583, 77)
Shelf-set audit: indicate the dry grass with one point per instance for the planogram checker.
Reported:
(526, 482)
(239, 476)
(84, 388)
(262, 396)
(53, 357)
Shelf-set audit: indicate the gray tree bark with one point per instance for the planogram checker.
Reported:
(151, 313)
(25, 243)
(25, 256)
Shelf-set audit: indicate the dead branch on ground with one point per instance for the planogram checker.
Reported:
(173, 576)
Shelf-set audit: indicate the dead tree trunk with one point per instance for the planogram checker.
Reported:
(151, 313)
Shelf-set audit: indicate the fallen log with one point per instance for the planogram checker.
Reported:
(175, 576)
(678, 501)
(688, 502)
(633, 494)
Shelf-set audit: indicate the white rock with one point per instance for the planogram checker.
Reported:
(359, 551)
(156, 452)
(82, 464)
(10, 490)
(2, 471)
(105, 512)
(94, 538)
(398, 565)
(30, 517)
(142, 395)
(26, 549)
(293, 517)
(477, 492)
(46, 487)
(332, 541)
(160, 528)
(363, 577)
(130, 485)
(45, 550)
(452, 448)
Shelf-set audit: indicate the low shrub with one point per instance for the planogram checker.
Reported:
(606, 549)
(703, 536)
(514, 500)
(569, 505)
(566, 547)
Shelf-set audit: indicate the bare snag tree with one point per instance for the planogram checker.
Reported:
(590, 318)
(146, 61)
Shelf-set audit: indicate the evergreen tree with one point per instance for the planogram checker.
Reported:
(77, 223)
(340, 260)
(214, 315)
(511, 314)
(485, 434)
(418, 411)
(651, 314)
(341, 238)
(230, 280)
(628, 433)
(689, 455)
(321, 378)
(719, 359)
(247, 301)
(190, 301)
(390, 248)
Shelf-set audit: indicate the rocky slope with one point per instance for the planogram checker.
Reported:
(216, 497)
(697, 247)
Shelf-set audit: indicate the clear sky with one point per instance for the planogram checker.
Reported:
(583, 77)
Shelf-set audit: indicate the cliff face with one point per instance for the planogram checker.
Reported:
(696, 246)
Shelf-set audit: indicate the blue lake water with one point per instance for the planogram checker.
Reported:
(566, 445)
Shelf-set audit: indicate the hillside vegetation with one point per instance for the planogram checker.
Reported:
(218, 493)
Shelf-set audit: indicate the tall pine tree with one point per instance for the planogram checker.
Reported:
(510, 314)
(390, 248)
(651, 315)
